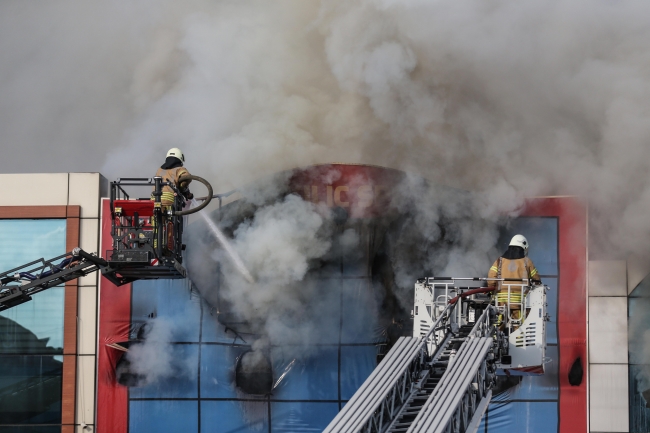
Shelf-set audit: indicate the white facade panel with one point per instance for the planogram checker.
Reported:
(608, 395)
(608, 330)
(608, 278)
(89, 242)
(46, 189)
(89, 234)
(86, 389)
(85, 192)
(87, 323)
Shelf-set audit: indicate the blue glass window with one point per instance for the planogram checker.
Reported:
(301, 417)
(359, 312)
(31, 334)
(540, 417)
(218, 370)
(162, 416)
(234, 416)
(30, 389)
(23, 241)
(170, 300)
(638, 323)
(542, 235)
(314, 378)
(357, 362)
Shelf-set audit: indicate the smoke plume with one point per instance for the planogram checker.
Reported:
(156, 358)
(501, 98)
(506, 98)
(280, 243)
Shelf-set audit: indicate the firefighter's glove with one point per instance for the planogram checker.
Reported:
(189, 195)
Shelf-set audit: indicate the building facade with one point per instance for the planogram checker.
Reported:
(49, 370)
(47, 355)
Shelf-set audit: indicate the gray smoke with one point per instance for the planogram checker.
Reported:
(156, 358)
(502, 98)
(505, 98)
(280, 245)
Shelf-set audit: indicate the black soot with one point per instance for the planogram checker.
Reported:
(254, 373)
(125, 375)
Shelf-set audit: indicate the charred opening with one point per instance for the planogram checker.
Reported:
(125, 375)
(254, 373)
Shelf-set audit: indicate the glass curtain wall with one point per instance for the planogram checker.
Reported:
(31, 334)
(202, 396)
(639, 356)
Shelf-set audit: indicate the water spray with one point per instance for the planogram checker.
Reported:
(237, 261)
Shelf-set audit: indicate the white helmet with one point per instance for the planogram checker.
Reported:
(519, 241)
(176, 153)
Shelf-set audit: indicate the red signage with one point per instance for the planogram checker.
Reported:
(362, 190)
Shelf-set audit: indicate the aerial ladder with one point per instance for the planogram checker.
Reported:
(441, 379)
(147, 243)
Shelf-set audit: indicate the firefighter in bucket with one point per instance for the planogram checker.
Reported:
(513, 264)
(172, 171)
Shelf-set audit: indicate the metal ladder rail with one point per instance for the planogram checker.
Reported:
(447, 400)
(421, 391)
(384, 392)
(365, 411)
(455, 396)
(413, 405)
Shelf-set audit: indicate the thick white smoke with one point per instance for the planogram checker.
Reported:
(156, 358)
(507, 99)
(281, 240)
(279, 245)
(512, 99)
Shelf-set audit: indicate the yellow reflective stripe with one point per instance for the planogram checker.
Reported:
(533, 272)
(166, 196)
(493, 268)
(515, 298)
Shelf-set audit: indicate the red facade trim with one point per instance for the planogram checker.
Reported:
(572, 302)
(114, 317)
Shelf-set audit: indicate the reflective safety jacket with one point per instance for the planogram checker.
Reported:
(172, 175)
(518, 268)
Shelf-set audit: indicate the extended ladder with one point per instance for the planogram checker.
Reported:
(439, 383)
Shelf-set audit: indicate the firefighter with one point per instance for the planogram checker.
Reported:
(514, 263)
(171, 171)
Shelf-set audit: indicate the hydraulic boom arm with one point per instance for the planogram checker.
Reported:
(19, 284)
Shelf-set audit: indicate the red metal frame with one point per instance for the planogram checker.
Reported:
(144, 208)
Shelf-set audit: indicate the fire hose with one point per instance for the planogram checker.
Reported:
(206, 200)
